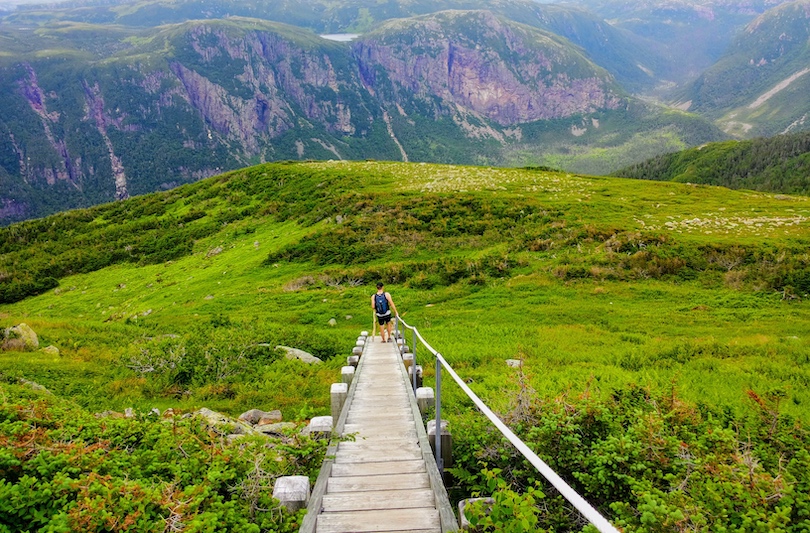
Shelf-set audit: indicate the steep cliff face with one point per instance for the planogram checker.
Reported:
(97, 114)
(63, 167)
(281, 79)
(506, 72)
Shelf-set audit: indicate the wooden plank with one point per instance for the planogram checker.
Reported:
(379, 415)
(374, 447)
(379, 420)
(366, 401)
(378, 424)
(389, 448)
(371, 430)
(379, 482)
(386, 499)
(363, 406)
(380, 520)
(429, 530)
(376, 483)
(411, 466)
(380, 392)
(365, 456)
(388, 387)
(377, 412)
(386, 448)
(387, 443)
(380, 402)
(394, 443)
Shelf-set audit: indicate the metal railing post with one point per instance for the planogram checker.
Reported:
(413, 351)
(396, 328)
(437, 433)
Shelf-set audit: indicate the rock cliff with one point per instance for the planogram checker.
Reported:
(504, 71)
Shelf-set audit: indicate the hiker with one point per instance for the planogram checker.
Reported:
(382, 304)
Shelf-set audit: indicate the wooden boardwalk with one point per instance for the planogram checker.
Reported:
(386, 478)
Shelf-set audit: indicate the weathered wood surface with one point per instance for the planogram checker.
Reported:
(379, 481)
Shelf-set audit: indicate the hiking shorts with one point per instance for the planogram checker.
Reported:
(383, 320)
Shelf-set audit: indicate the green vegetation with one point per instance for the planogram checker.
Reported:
(663, 329)
(775, 164)
(605, 142)
(62, 469)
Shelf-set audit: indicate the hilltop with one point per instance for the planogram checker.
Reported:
(691, 34)
(774, 164)
(663, 317)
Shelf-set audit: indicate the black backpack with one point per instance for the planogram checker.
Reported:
(381, 305)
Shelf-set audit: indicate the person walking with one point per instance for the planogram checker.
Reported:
(383, 304)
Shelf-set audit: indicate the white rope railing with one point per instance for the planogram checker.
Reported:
(586, 509)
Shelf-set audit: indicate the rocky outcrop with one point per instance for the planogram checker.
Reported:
(20, 337)
(51, 350)
(252, 422)
(64, 168)
(283, 77)
(301, 355)
(219, 424)
(95, 105)
(33, 385)
(11, 209)
(259, 417)
(277, 429)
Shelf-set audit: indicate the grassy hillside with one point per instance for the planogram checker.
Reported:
(775, 164)
(664, 327)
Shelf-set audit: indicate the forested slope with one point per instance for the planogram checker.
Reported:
(774, 164)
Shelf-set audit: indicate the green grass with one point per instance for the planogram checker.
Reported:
(609, 322)
(603, 286)
(606, 335)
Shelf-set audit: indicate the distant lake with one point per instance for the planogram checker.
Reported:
(342, 37)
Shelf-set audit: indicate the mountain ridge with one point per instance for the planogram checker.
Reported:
(176, 103)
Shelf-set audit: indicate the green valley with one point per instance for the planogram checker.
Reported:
(663, 329)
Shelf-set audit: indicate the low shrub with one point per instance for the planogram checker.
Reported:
(647, 460)
(62, 469)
